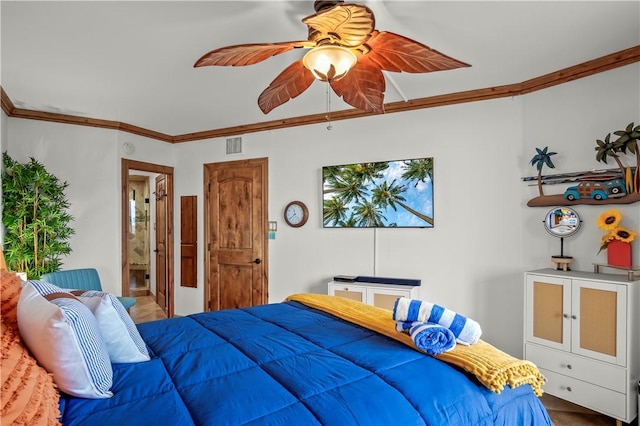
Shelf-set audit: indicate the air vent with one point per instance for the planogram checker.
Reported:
(234, 145)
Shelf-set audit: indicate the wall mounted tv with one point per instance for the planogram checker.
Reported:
(385, 194)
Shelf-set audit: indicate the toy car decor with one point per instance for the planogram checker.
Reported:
(597, 189)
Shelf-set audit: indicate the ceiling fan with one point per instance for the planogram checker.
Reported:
(346, 51)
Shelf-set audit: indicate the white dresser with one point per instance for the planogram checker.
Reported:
(582, 330)
(380, 295)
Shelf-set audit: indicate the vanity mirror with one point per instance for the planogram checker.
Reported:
(562, 222)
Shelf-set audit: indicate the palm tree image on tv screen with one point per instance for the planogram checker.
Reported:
(386, 194)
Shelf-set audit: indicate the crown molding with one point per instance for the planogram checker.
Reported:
(30, 114)
(595, 66)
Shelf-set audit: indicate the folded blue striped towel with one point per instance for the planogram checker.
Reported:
(466, 330)
(404, 326)
(429, 337)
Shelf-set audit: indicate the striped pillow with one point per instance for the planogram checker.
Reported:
(64, 337)
(45, 288)
(119, 333)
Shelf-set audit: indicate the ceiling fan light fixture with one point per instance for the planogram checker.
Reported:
(329, 62)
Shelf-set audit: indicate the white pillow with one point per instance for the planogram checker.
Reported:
(63, 336)
(119, 333)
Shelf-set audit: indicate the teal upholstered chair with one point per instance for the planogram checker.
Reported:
(82, 279)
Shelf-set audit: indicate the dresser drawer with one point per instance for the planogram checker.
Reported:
(586, 394)
(587, 370)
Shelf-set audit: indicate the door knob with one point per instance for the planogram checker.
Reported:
(256, 261)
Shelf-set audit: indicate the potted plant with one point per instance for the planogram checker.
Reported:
(35, 218)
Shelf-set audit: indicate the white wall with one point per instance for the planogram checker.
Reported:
(462, 260)
(484, 235)
(89, 160)
(569, 119)
(86, 158)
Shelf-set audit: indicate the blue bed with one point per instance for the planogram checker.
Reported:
(290, 364)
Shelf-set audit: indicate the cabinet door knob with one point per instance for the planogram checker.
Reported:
(574, 317)
(569, 366)
(565, 315)
(569, 388)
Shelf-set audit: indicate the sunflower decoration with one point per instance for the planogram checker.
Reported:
(610, 221)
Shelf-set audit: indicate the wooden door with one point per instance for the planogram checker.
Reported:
(236, 233)
(161, 242)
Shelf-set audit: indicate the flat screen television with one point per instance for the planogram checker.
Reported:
(385, 194)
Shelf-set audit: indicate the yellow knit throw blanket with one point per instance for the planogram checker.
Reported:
(492, 367)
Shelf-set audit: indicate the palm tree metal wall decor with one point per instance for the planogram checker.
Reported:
(622, 184)
(627, 141)
(539, 160)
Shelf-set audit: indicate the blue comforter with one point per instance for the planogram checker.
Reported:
(289, 364)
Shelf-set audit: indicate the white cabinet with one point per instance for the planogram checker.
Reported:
(380, 295)
(581, 330)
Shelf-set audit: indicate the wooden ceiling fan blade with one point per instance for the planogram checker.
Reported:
(248, 54)
(291, 82)
(363, 87)
(393, 52)
(348, 25)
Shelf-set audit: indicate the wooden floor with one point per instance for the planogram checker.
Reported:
(146, 310)
(562, 413)
(138, 281)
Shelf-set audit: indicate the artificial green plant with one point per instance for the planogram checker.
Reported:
(35, 218)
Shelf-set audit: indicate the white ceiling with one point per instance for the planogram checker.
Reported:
(132, 61)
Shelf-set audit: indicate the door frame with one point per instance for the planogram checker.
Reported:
(161, 234)
(126, 167)
(264, 162)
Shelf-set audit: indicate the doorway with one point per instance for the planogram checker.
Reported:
(164, 263)
(236, 244)
(140, 241)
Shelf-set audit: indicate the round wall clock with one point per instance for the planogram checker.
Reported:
(296, 214)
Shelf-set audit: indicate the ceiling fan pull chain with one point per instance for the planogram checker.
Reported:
(329, 126)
